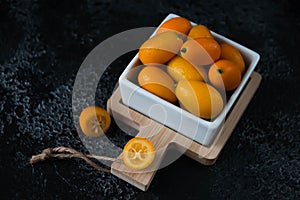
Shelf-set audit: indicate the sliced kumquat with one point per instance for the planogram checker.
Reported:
(138, 153)
(94, 121)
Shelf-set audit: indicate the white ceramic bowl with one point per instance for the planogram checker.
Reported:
(172, 116)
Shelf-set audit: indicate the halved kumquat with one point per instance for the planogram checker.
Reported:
(94, 121)
(138, 153)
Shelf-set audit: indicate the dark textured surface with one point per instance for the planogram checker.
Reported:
(42, 45)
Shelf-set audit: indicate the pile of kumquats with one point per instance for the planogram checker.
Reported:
(197, 68)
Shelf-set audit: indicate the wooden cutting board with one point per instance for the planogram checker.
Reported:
(165, 138)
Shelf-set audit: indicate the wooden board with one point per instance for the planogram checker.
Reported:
(165, 138)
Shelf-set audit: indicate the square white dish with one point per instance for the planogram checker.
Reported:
(172, 116)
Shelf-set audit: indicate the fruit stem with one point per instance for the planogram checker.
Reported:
(180, 36)
(183, 50)
(175, 85)
(220, 70)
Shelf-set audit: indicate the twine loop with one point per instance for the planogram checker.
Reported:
(66, 152)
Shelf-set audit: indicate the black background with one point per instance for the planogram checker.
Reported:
(42, 45)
